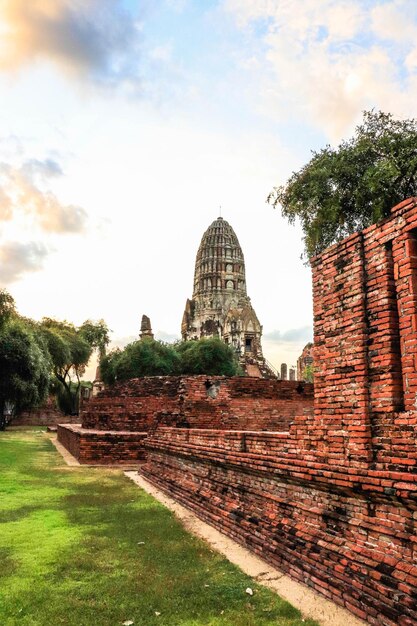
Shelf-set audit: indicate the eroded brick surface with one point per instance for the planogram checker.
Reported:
(95, 447)
(209, 402)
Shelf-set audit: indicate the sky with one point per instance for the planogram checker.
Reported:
(126, 124)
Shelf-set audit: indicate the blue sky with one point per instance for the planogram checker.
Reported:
(125, 124)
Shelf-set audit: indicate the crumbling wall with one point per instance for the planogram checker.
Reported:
(333, 501)
(47, 415)
(199, 401)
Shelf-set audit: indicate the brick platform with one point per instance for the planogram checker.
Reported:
(97, 447)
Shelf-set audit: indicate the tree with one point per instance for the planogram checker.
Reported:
(70, 349)
(345, 189)
(7, 307)
(141, 358)
(209, 356)
(154, 358)
(97, 335)
(24, 367)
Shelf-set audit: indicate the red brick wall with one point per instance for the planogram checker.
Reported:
(48, 415)
(349, 535)
(91, 447)
(334, 501)
(241, 403)
(365, 310)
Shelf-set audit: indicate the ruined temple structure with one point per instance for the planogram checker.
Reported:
(332, 501)
(305, 361)
(220, 306)
(146, 328)
(327, 492)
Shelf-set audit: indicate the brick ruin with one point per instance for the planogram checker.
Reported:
(117, 421)
(332, 501)
(329, 496)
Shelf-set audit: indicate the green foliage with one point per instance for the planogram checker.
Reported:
(140, 358)
(109, 365)
(207, 356)
(345, 189)
(70, 352)
(7, 307)
(155, 358)
(24, 366)
(308, 374)
(30, 351)
(96, 334)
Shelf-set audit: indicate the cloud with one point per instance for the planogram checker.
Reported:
(24, 189)
(293, 335)
(18, 258)
(330, 59)
(162, 335)
(97, 39)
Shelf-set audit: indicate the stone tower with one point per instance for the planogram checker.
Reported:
(146, 328)
(220, 305)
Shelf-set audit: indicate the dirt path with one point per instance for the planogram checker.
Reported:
(310, 603)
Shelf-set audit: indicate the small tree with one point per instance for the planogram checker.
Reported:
(97, 335)
(140, 358)
(345, 189)
(154, 358)
(209, 356)
(70, 353)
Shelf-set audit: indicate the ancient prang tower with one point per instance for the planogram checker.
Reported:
(220, 305)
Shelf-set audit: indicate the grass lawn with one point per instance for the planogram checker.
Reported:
(87, 547)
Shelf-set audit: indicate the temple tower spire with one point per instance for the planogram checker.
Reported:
(220, 305)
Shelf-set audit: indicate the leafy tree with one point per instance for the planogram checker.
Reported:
(207, 356)
(140, 358)
(109, 365)
(345, 189)
(24, 367)
(97, 335)
(70, 352)
(154, 358)
(7, 307)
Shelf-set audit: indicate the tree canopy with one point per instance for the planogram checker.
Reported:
(345, 189)
(70, 349)
(154, 358)
(207, 356)
(34, 354)
(24, 365)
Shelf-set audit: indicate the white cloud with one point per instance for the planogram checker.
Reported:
(16, 259)
(330, 60)
(395, 21)
(24, 189)
(97, 39)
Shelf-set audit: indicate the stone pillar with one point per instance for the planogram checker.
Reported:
(145, 328)
(292, 373)
(283, 371)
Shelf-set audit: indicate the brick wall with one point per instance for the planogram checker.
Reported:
(48, 415)
(333, 501)
(347, 534)
(206, 402)
(93, 447)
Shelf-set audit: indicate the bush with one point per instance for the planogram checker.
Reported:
(208, 356)
(154, 358)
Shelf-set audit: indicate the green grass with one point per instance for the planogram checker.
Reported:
(70, 553)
